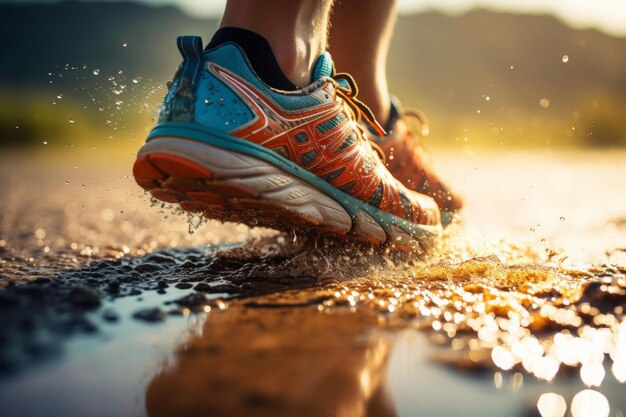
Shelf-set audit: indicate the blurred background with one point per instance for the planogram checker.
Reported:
(527, 104)
(489, 74)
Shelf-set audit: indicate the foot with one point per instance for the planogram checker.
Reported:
(410, 163)
(229, 146)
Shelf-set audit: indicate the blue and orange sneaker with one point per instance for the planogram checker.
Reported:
(231, 147)
(409, 163)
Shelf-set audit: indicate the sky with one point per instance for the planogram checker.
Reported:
(605, 15)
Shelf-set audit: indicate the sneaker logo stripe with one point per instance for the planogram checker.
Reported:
(289, 122)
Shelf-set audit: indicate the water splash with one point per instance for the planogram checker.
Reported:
(194, 221)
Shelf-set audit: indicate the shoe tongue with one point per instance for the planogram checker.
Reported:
(324, 67)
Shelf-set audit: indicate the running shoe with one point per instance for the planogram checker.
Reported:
(229, 146)
(409, 163)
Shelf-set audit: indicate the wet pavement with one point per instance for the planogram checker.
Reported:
(110, 306)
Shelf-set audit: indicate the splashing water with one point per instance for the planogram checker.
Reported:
(194, 221)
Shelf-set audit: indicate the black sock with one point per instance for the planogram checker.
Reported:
(394, 113)
(259, 53)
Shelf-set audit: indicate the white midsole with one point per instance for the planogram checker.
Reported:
(269, 183)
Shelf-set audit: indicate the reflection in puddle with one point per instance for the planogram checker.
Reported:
(263, 361)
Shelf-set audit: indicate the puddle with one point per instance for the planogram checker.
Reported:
(491, 324)
(418, 383)
(105, 373)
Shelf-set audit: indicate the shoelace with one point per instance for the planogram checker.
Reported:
(416, 121)
(359, 108)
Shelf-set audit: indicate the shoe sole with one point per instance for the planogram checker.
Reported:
(230, 179)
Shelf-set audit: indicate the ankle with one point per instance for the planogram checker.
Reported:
(377, 98)
(296, 57)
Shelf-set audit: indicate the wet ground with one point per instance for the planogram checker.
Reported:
(109, 306)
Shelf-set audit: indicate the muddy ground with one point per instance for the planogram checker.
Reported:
(526, 295)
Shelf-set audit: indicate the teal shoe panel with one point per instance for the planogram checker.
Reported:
(230, 57)
(218, 107)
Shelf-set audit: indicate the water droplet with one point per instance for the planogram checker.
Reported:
(194, 220)
(96, 71)
(135, 80)
(59, 96)
(565, 58)
(502, 358)
(487, 98)
(551, 405)
(72, 121)
(590, 403)
(592, 374)
(67, 183)
(45, 142)
(562, 218)
(125, 44)
(619, 370)
(497, 380)
(544, 102)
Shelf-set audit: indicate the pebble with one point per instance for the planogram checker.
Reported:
(110, 316)
(84, 297)
(150, 315)
(147, 267)
(192, 300)
(219, 288)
